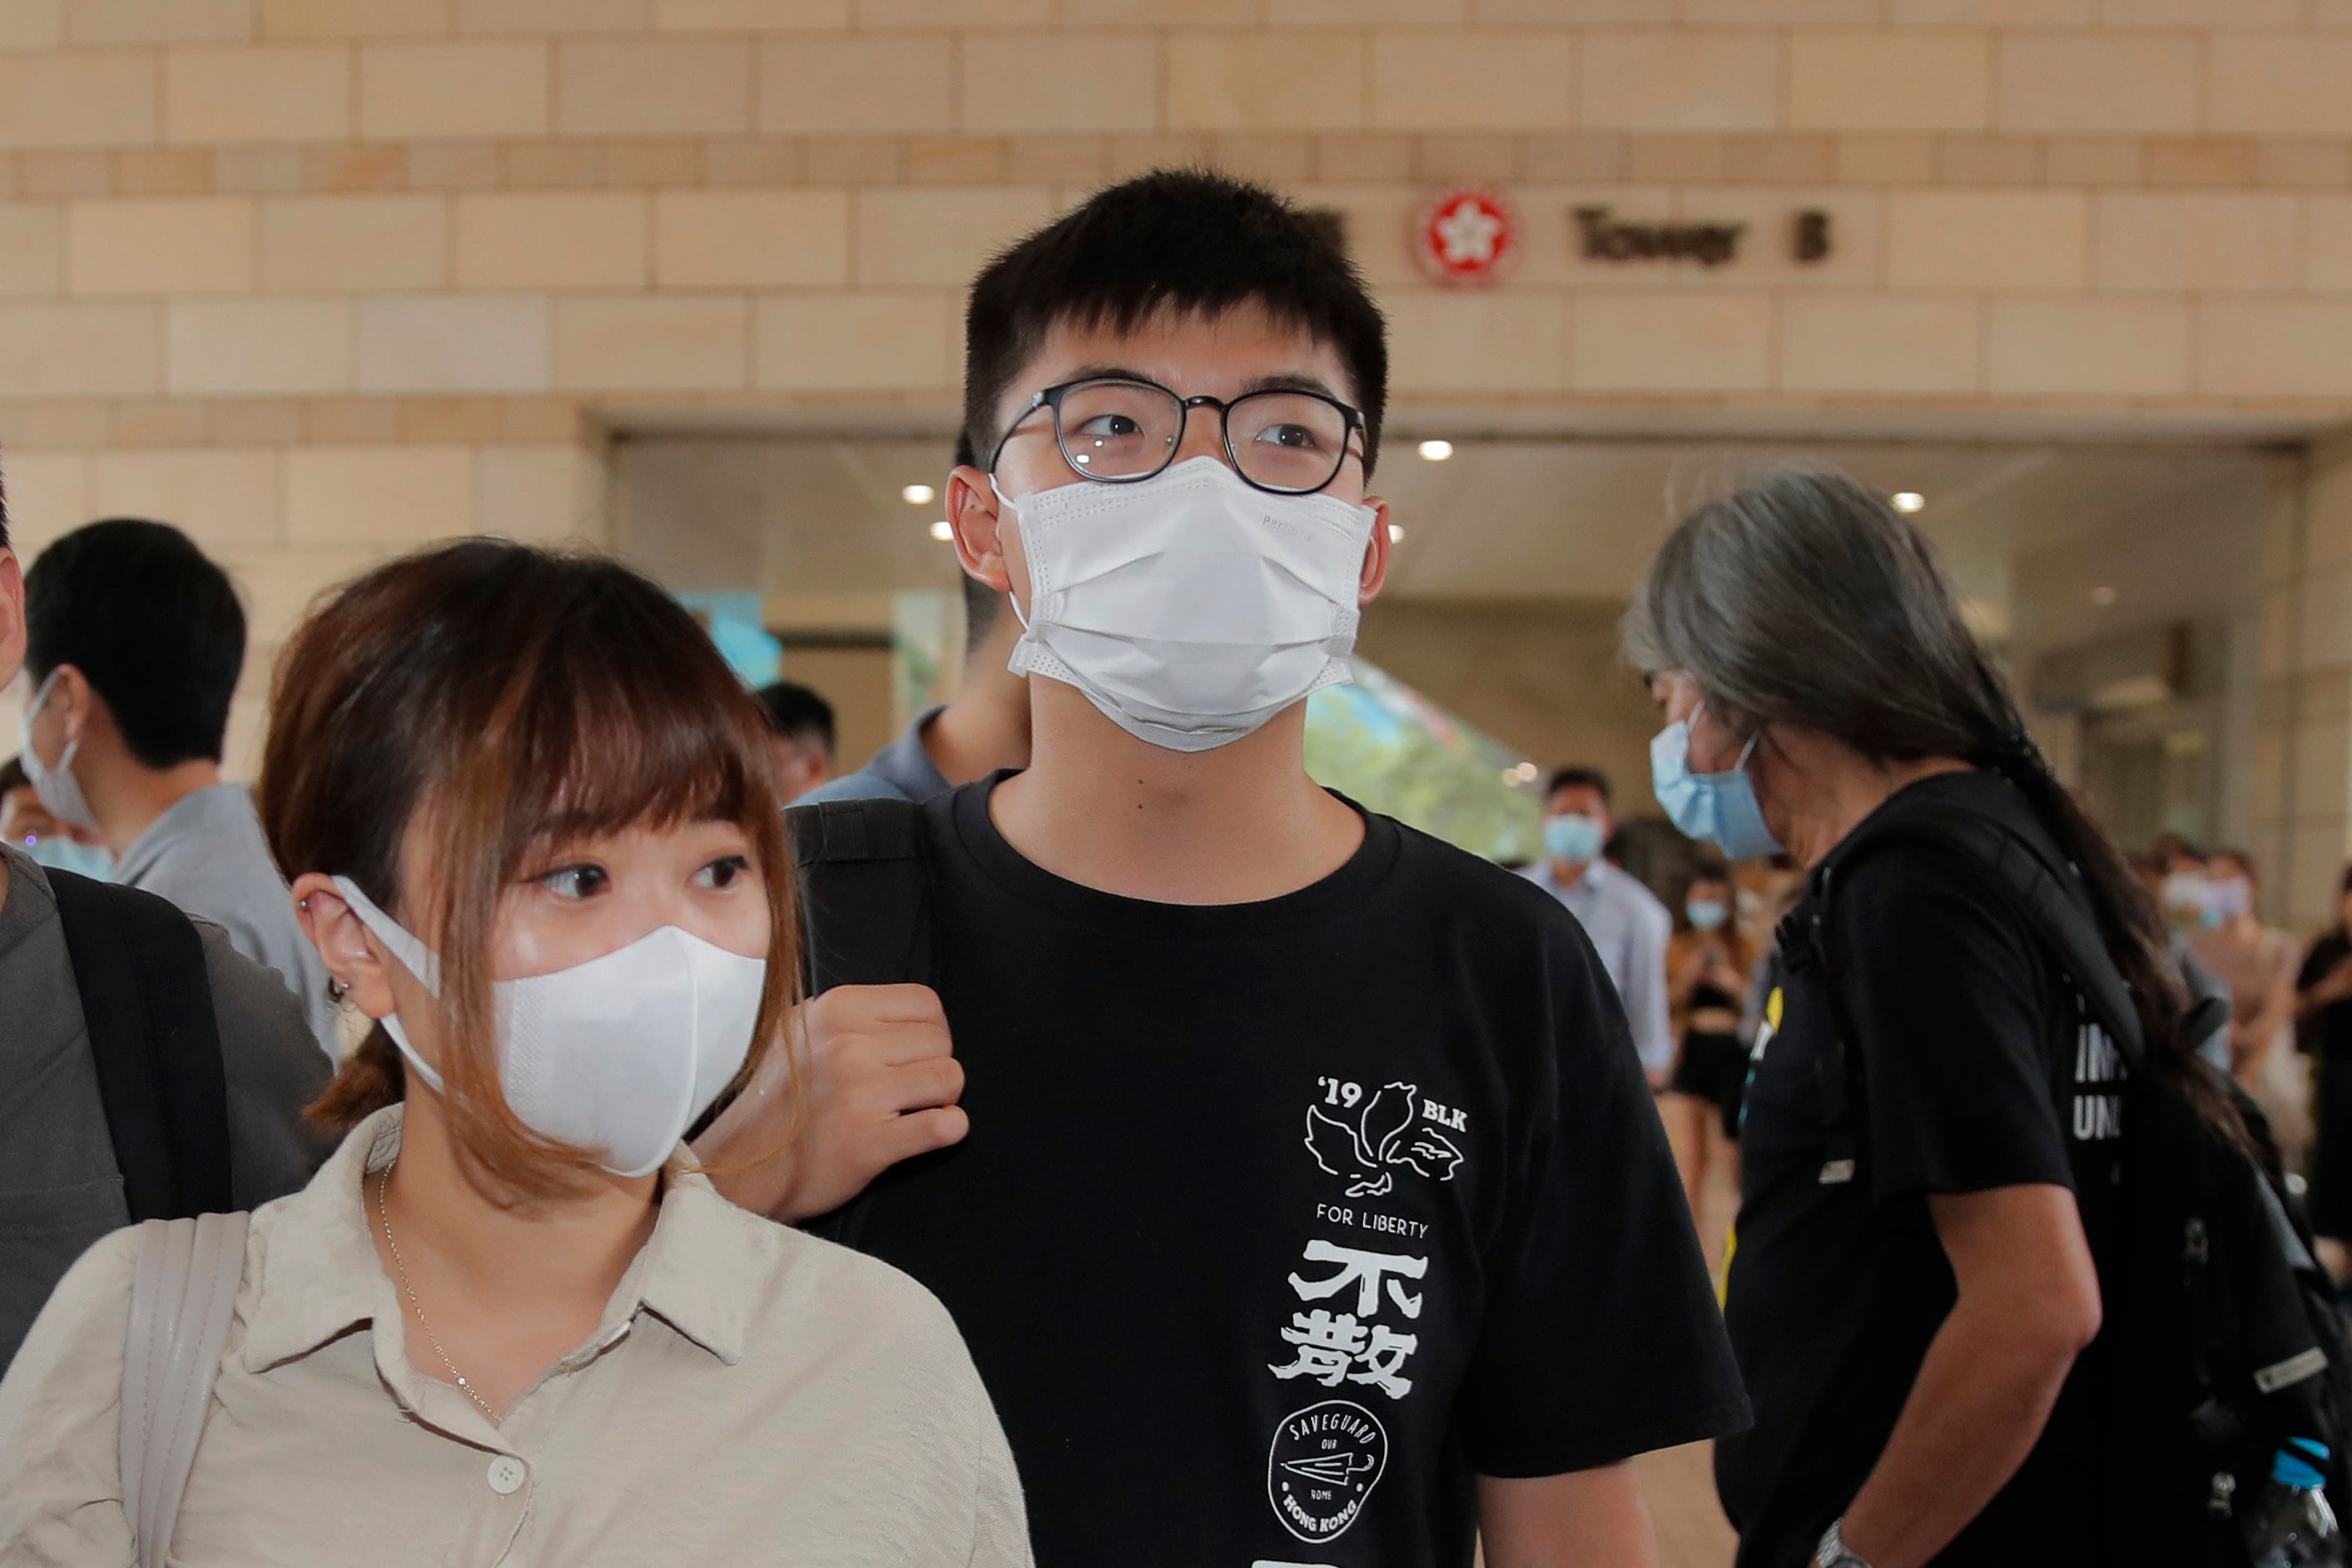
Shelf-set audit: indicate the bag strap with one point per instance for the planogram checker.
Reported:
(2043, 896)
(147, 1005)
(865, 893)
(183, 1296)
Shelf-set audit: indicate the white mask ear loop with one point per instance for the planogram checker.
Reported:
(413, 955)
(1007, 504)
(1690, 730)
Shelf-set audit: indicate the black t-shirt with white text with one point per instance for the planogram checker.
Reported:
(1279, 1221)
(1975, 1069)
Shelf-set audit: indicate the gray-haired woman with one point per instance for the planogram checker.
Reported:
(1911, 1321)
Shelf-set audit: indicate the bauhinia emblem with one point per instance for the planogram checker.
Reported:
(1391, 1130)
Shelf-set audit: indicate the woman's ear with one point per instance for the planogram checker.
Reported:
(350, 952)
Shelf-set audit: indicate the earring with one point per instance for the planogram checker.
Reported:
(337, 990)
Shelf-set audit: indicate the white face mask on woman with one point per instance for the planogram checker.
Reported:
(620, 1054)
(1189, 608)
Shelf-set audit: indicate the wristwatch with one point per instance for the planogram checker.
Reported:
(1831, 1552)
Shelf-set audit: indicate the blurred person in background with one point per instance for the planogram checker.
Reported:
(2258, 963)
(2180, 868)
(2184, 907)
(1914, 1277)
(800, 724)
(1629, 927)
(134, 644)
(29, 825)
(147, 1069)
(530, 817)
(1709, 969)
(2323, 1010)
(981, 730)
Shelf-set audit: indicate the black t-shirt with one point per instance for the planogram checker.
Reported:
(1965, 1040)
(1279, 1221)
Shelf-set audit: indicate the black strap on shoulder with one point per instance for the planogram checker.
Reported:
(2044, 896)
(147, 1007)
(2048, 897)
(865, 893)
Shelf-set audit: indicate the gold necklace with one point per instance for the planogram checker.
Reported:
(383, 1217)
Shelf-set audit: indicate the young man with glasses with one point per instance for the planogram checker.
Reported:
(1313, 1209)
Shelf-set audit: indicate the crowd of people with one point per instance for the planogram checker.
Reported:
(1075, 1136)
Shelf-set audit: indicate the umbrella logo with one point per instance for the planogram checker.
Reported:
(1325, 1462)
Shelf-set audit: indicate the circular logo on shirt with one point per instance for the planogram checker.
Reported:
(1325, 1460)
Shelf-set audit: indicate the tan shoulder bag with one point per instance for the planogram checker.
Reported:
(182, 1298)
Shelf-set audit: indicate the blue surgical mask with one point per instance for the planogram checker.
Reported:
(1572, 839)
(60, 853)
(1718, 808)
(1707, 914)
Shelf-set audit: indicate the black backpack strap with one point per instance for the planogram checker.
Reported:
(865, 893)
(2043, 896)
(147, 1005)
(2048, 898)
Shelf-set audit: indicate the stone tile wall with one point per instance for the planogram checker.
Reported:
(323, 279)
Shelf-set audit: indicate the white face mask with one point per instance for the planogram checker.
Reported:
(58, 788)
(1189, 608)
(620, 1054)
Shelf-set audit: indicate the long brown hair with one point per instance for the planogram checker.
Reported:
(500, 699)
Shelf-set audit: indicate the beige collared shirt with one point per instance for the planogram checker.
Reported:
(752, 1396)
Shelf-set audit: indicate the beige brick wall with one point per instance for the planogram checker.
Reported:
(325, 277)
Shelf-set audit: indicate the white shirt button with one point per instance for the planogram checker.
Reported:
(507, 1474)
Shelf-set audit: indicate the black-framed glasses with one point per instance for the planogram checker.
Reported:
(1118, 431)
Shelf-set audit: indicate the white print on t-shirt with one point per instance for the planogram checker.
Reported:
(2098, 1118)
(1325, 1462)
(1384, 1134)
(1351, 1347)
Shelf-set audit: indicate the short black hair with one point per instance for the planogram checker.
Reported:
(1577, 776)
(1188, 240)
(797, 713)
(13, 776)
(151, 623)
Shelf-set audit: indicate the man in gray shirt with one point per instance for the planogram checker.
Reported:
(59, 1187)
(1628, 926)
(134, 644)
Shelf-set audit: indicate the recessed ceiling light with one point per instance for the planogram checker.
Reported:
(943, 530)
(1435, 451)
(1396, 534)
(919, 495)
(2103, 596)
(1907, 500)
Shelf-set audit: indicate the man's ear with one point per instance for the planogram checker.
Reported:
(12, 616)
(80, 710)
(1377, 553)
(343, 943)
(977, 516)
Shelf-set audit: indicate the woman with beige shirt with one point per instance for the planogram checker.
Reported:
(527, 815)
